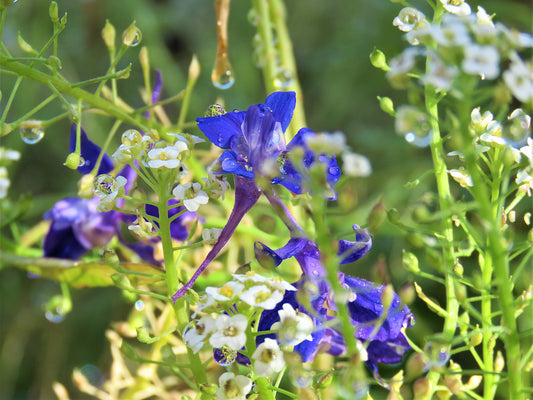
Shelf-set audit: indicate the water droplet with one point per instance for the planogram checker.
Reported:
(418, 141)
(31, 135)
(214, 110)
(253, 18)
(139, 305)
(131, 137)
(222, 75)
(104, 185)
(84, 162)
(93, 375)
(283, 78)
(224, 356)
(56, 316)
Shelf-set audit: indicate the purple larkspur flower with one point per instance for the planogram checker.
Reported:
(254, 142)
(386, 343)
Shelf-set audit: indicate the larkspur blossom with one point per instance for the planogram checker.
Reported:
(233, 387)
(386, 343)
(255, 146)
(268, 358)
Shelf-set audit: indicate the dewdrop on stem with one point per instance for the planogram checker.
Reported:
(31, 132)
(222, 74)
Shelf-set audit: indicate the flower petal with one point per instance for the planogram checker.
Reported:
(282, 105)
(89, 152)
(221, 129)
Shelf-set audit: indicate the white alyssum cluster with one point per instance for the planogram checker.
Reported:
(191, 195)
(233, 387)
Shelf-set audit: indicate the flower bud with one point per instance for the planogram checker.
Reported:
(109, 34)
(499, 362)
(460, 292)
(144, 58)
(132, 36)
(208, 388)
(111, 258)
(54, 62)
(73, 161)
(323, 380)
(386, 105)
(378, 59)
(25, 46)
(474, 382)
(415, 366)
(52, 11)
(393, 216)
(194, 69)
(143, 336)
(121, 281)
(6, 3)
(476, 338)
(410, 262)
(464, 321)
(421, 388)
(376, 217)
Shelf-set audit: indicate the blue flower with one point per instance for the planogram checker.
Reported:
(254, 145)
(386, 343)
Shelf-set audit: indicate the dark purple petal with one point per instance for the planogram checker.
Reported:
(246, 195)
(89, 152)
(219, 358)
(221, 129)
(143, 250)
(390, 351)
(290, 178)
(353, 251)
(282, 105)
(62, 243)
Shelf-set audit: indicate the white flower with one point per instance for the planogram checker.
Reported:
(228, 292)
(210, 236)
(293, 327)
(216, 186)
(191, 195)
(204, 303)
(250, 276)
(528, 150)
(457, 7)
(9, 155)
(268, 358)
(515, 38)
(480, 122)
(439, 74)
(142, 228)
(453, 32)
(408, 19)
(230, 331)
(167, 157)
(481, 60)
(461, 177)
(109, 190)
(279, 284)
(483, 19)
(197, 331)
(524, 181)
(493, 134)
(233, 387)
(411, 119)
(520, 125)
(519, 78)
(327, 143)
(187, 138)
(401, 65)
(262, 296)
(4, 182)
(356, 164)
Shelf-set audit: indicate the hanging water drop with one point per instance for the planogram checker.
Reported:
(82, 162)
(131, 137)
(31, 135)
(55, 316)
(419, 141)
(222, 74)
(105, 184)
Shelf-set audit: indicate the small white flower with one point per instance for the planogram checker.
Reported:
(528, 150)
(204, 303)
(250, 276)
(293, 327)
(9, 155)
(481, 60)
(453, 32)
(167, 157)
(493, 134)
(228, 292)
(411, 119)
(191, 195)
(277, 283)
(408, 19)
(216, 186)
(461, 177)
(210, 236)
(356, 164)
(109, 190)
(197, 331)
(401, 65)
(457, 7)
(480, 122)
(327, 143)
(519, 78)
(268, 358)
(4, 182)
(483, 19)
(525, 181)
(515, 39)
(230, 331)
(142, 228)
(233, 387)
(520, 125)
(187, 138)
(262, 296)
(439, 74)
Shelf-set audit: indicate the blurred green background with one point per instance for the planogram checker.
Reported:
(332, 41)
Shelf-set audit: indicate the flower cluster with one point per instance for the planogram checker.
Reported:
(6, 157)
(465, 45)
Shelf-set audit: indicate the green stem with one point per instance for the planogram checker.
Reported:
(173, 282)
(66, 88)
